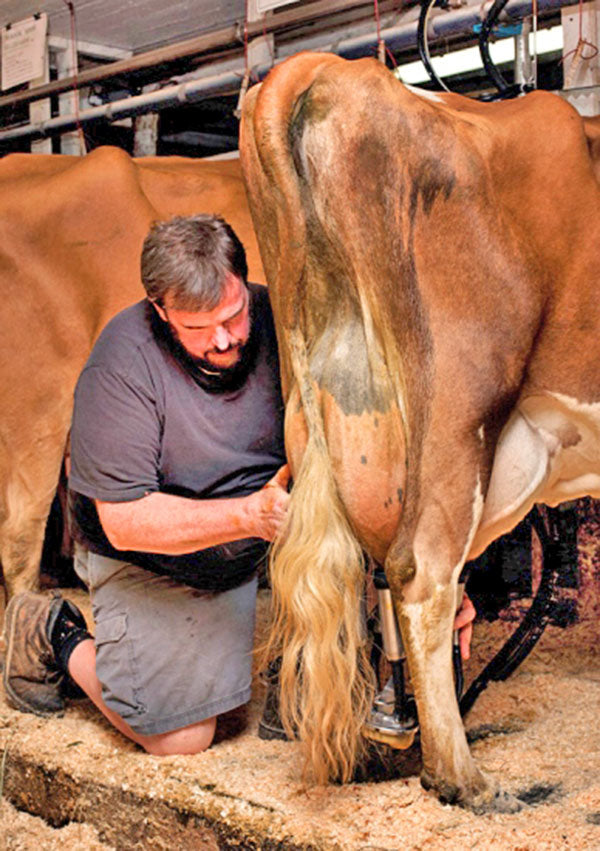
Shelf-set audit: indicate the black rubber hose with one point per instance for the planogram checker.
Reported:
(422, 44)
(520, 644)
(504, 90)
(491, 19)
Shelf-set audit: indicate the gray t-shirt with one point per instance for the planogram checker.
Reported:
(145, 420)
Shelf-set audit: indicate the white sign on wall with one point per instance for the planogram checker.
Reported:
(263, 6)
(23, 51)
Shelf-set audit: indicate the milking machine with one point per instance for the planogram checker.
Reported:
(489, 25)
(393, 719)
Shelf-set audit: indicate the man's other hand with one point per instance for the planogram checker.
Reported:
(269, 505)
(464, 624)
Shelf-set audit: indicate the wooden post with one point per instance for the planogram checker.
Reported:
(39, 110)
(145, 135)
(66, 64)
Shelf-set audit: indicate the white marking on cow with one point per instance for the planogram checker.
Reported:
(421, 617)
(587, 409)
(481, 433)
(575, 468)
(476, 512)
(429, 626)
(424, 93)
(548, 451)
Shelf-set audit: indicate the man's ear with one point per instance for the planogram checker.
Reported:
(159, 309)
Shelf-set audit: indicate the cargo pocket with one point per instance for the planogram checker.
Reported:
(117, 668)
(80, 563)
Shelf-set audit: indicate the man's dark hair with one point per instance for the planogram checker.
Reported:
(190, 257)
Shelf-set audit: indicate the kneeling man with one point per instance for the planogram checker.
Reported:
(177, 485)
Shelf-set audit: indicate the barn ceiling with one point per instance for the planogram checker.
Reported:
(147, 28)
(135, 25)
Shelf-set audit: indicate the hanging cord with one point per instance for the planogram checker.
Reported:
(534, 63)
(382, 48)
(268, 43)
(246, 78)
(578, 52)
(380, 41)
(80, 133)
(423, 44)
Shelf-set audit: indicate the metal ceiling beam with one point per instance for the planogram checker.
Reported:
(204, 44)
(442, 26)
(446, 24)
(170, 96)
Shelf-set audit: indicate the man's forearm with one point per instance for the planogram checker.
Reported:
(173, 525)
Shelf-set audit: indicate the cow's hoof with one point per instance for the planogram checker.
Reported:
(485, 796)
(499, 802)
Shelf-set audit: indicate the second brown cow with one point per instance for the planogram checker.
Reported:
(71, 231)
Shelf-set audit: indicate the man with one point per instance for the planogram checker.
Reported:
(177, 484)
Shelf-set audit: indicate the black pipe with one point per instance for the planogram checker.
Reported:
(423, 45)
(504, 90)
(525, 637)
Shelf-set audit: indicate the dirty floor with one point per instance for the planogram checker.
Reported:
(537, 734)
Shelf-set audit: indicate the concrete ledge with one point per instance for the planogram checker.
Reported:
(128, 820)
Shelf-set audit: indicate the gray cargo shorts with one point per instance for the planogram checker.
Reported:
(167, 655)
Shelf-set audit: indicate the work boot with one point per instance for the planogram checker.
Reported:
(32, 677)
(270, 725)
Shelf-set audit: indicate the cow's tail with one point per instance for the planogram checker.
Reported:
(317, 573)
(317, 570)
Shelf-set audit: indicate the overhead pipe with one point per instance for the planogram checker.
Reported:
(170, 96)
(194, 47)
(396, 38)
(443, 25)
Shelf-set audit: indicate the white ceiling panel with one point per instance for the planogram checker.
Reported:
(135, 25)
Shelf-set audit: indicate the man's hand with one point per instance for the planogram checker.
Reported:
(269, 505)
(464, 624)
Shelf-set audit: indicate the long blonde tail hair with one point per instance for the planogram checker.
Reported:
(317, 574)
(317, 570)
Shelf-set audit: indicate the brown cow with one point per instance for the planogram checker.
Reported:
(433, 264)
(70, 241)
(592, 132)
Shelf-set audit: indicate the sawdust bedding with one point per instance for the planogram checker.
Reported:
(537, 733)
(21, 832)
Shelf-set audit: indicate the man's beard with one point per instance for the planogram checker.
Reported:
(211, 377)
(211, 368)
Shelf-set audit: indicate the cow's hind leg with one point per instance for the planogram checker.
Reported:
(426, 606)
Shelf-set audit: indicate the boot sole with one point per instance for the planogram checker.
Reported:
(267, 733)
(12, 697)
